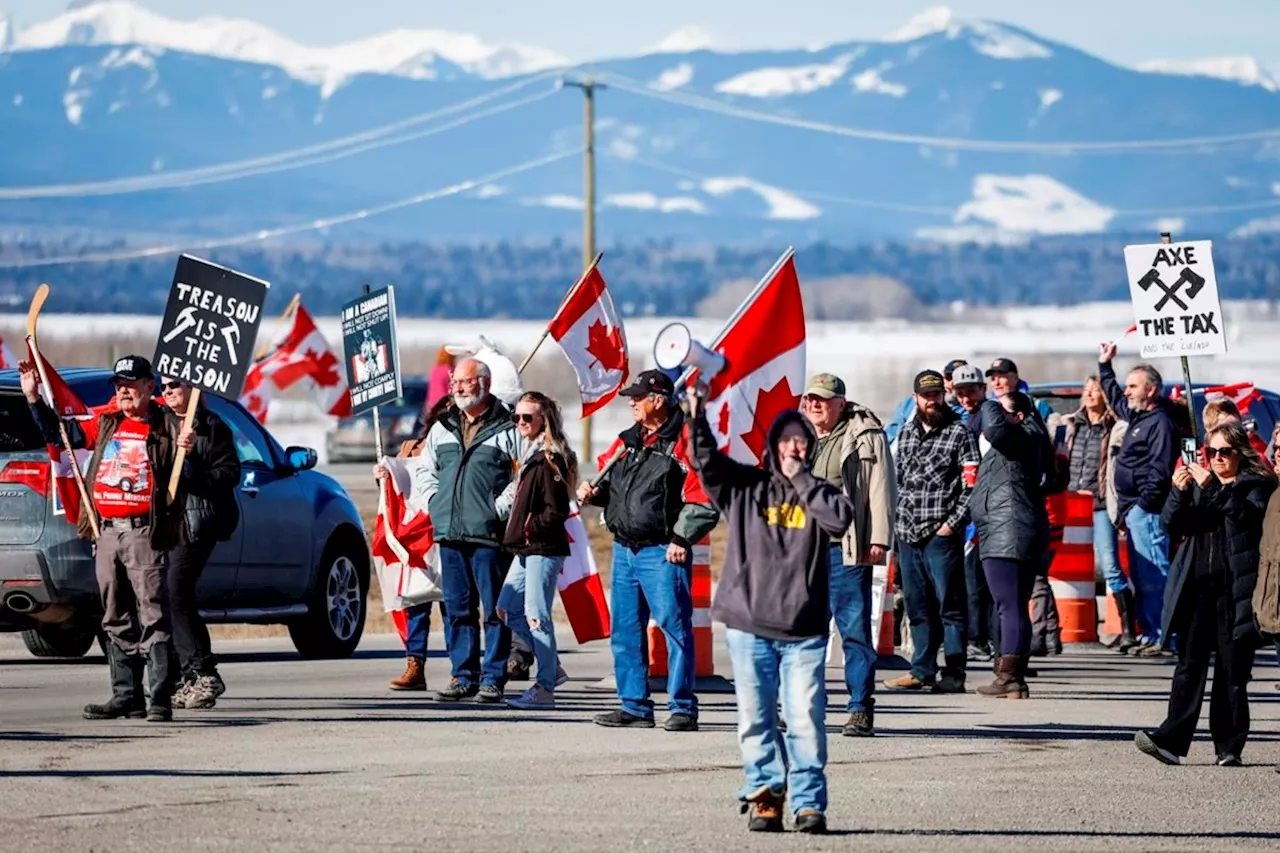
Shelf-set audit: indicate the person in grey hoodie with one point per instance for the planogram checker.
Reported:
(773, 599)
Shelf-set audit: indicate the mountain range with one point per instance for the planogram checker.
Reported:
(124, 126)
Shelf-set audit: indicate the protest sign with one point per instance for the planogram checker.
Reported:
(1175, 299)
(371, 354)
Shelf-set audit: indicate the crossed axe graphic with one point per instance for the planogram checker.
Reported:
(1194, 281)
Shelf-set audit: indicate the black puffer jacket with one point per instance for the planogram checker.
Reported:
(212, 475)
(1008, 503)
(1236, 511)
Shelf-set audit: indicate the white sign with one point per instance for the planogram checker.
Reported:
(1175, 299)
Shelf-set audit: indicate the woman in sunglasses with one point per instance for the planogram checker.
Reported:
(1217, 513)
(537, 538)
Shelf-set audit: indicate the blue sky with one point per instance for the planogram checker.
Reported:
(1125, 31)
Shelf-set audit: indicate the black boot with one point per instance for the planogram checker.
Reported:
(1128, 628)
(126, 695)
(162, 678)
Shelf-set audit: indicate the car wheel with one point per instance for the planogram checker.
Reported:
(65, 640)
(339, 600)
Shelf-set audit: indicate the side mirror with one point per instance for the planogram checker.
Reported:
(301, 458)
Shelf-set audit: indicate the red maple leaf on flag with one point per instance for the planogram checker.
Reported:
(771, 402)
(606, 346)
(722, 422)
(325, 372)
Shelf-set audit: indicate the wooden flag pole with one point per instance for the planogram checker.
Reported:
(1166, 237)
(33, 316)
(546, 332)
(288, 312)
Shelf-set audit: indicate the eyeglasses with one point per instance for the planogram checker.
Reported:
(518, 418)
(1224, 452)
(170, 386)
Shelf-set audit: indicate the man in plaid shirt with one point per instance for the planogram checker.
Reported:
(937, 464)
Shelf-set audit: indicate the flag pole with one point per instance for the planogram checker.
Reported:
(284, 317)
(546, 332)
(746, 303)
(1166, 237)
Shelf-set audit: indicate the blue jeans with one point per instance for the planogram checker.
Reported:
(417, 625)
(933, 591)
(793, 762)
(850, 588)
(645, 583)
(1106, 551)
(528, 593)
(1149, 566)
(472, 579)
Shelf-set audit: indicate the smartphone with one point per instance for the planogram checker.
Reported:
(1189, 451)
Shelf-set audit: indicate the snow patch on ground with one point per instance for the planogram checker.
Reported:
(871, 81)
(1173, 224)
(934, 20)
(1254, 227)
(674, 78)
(782, 204)
(649, 201)
(1244, 70)
(998, 42)
(1035, 204)
(556, 201)
(685, 40)
(490, 191)
(1049, 97)
(793, 80)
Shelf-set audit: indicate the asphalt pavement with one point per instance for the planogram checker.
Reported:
(319, 755)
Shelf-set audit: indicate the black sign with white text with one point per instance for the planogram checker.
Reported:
(210, 327)
(369, 347)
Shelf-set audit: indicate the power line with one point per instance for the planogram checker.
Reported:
(699, 102)
(323, 152)
(314, 225)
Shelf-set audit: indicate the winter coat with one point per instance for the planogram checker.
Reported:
(1087, 446)
(212, 475)
(1008, 505)
(1114, 442)
(468, 491)
(868, 480)
(1144, 466)
(776, 573)
(541, 506)
(652, 495)
(1236, 511)
(1266, 594)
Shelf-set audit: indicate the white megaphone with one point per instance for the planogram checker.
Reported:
(675, 348)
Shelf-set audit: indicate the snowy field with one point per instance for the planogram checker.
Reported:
(876, 359)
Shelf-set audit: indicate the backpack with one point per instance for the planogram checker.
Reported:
(1266, 594)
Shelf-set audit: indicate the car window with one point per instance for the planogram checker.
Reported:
(250, 445)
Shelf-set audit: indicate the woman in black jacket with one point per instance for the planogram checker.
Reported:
(536, 537)
(1217, 513)
(1009, 512)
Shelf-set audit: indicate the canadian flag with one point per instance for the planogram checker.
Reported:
(764, 371)
(1241, 393)
(7, 359)
(581, 590)
(590, 333)
(404, 550)
(65, 403)
(298, 353)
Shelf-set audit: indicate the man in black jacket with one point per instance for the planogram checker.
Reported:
(1143, 477)
(656, 511)
(773, 599)
(212, 472)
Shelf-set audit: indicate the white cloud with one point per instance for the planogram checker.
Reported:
(794, 80)
(674, 78)
(782, 204)
(1034, 204)
(685, 40)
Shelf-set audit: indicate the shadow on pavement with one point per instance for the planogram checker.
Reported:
(1243, 835)
(175, 774)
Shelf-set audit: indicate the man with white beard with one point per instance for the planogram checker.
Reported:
(471, 455)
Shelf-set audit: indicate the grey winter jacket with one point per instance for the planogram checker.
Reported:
(776, 572)
(1008, 505)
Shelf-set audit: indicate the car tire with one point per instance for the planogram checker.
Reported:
(67, 640)
(339, 604)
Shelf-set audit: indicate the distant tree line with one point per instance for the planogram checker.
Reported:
(523, 280)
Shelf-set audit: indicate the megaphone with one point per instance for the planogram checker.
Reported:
(675, 348)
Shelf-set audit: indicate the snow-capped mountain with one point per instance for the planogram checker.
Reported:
(123, 121)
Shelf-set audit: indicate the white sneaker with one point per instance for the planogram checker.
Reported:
(536, 698)
(561, 675)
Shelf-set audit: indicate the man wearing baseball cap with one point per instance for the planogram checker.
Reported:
(853, 455)
(936, 464)
(656, 509)
(132, 524)
(970, 389)
(906, 410)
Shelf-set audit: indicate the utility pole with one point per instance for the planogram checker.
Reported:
(588, 87)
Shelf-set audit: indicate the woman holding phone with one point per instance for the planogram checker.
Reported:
(1217, 514)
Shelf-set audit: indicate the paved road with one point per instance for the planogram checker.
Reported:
(319, 756)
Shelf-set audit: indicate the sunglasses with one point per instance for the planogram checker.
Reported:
(1224, 452)
(170, 386)
(518, 418)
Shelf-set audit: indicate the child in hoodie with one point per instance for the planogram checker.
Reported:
(772, 597)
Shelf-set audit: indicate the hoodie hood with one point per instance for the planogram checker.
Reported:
(779, 423)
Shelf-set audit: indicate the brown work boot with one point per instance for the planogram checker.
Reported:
(1009, 682)
(765, 809)
(908, 682)
(414, 678)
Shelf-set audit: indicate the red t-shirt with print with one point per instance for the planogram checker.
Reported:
(124, 483)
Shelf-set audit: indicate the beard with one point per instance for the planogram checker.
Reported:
(467, 402)
(933, 415)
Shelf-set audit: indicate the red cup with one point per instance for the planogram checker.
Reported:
(970, 474)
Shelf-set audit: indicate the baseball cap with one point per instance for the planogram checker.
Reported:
(927, 381)
(131, 368)
(967, 374)
(950, 369)
(1002, 365)
(826, 386)
(649, 382)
